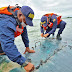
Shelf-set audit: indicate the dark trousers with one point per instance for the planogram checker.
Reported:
(61, 27)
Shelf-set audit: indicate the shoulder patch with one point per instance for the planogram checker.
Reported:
(54, 20)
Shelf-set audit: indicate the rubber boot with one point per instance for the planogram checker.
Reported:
(53, 34)
(58, 37)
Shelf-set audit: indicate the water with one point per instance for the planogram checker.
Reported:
(59, 62)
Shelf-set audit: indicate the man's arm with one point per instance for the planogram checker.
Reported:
(25, 37)
(26, 41)
(54, 21)
(42, 31)
(7, 42)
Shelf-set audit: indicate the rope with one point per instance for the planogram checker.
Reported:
(55, 52)
(49, 56)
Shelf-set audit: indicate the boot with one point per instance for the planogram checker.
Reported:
(58, 37)
(53, 34)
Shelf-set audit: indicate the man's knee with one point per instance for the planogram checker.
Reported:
(63, 24)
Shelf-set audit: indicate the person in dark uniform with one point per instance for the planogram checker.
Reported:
(9, 26)
(49, 23)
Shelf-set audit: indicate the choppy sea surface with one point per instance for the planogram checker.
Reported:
(57, 53)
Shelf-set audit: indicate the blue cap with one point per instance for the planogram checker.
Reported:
(44, 21)
(28, 13)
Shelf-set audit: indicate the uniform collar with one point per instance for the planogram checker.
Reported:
(16, 12)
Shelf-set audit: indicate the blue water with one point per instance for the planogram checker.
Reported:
(61, 61)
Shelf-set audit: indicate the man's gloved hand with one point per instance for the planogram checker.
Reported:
(29, 68)
(46, 35)
(42, 35)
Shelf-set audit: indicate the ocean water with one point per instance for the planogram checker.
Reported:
(61, 61)
(58, 52)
